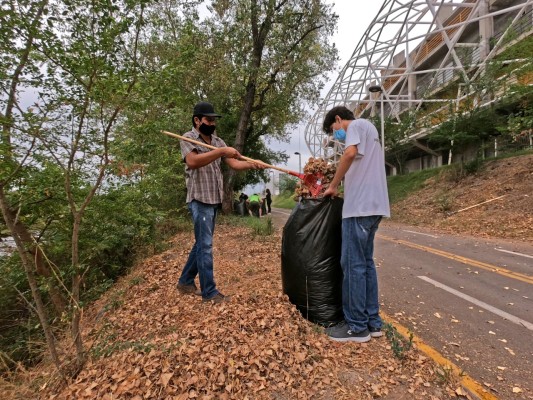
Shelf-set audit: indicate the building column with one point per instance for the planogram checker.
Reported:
(486, 30)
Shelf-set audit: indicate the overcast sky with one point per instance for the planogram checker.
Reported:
(355, 17)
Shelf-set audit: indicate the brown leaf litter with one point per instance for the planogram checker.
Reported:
(439, 203)
(149, 342)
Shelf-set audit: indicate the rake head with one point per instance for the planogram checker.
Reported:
(313, 183)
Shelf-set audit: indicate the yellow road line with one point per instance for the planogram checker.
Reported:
(466, 381)
(464, 260)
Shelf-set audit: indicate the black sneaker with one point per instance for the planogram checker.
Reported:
(375, 332)
(188, 289)
(218, 298)
(347, 335)
(336, 330)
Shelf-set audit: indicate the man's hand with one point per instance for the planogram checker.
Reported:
(331, 191)
(257, 165)
(230, 152)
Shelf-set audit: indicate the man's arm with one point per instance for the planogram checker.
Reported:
(243, 165)
(195, 160)
(345, 162)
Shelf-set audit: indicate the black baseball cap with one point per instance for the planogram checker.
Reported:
(206, 109)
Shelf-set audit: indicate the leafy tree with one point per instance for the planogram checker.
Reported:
(517, 121)
(20, 30)
(397, 145)
(79, 61)
(257, 61)
(276, 50)
(287, 183)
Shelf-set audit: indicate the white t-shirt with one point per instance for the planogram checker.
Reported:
(365, 182)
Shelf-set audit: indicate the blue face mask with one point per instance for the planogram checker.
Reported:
(339, 135)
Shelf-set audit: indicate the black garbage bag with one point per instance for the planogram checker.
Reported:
(311, 273)
(241, 209)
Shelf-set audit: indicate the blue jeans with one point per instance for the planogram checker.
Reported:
(360, 284)
(200, 261)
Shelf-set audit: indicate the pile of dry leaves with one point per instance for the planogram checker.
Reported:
(317, 167)
(149, 342)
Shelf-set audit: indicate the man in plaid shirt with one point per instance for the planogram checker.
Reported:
(204, 196)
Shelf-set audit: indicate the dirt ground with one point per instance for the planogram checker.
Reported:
(149, 342)
(453, 203)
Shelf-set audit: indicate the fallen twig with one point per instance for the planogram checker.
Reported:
(476, 205)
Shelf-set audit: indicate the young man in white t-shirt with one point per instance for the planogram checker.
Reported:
(366, 202)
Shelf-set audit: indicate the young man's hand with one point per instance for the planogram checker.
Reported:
(331, 191)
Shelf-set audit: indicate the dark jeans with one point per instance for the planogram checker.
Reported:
(254, 208)
(200, 259)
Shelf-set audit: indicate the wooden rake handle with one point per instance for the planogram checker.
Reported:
(259, 162)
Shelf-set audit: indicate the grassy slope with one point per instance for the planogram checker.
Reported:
(401, 186)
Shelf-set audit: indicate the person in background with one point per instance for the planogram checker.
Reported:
(254, 204)
(262, 201)
(203, 175)
(366, 202)
(243, 196)
(268, 199)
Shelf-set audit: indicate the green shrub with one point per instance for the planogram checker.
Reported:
(261, 226)
(400, 345)
(119, 226)
(444, 201)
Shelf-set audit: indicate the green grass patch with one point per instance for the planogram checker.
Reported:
(284, 200)
(260, 226)
(400, 186)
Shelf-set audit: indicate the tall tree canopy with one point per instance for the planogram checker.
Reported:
(86, 88)
(260, 62)
(68, 70)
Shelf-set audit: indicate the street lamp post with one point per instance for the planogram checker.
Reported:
(273, 182)
(299, 162)
(379, 89)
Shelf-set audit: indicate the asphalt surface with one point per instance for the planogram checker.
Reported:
(470, 299)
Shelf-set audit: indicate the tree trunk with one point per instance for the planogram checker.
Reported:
(32, 281)
(31, 249)
(240, 139)
(76, 309)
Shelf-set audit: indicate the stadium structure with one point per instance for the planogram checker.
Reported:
(420, 62)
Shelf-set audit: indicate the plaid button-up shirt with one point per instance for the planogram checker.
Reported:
(204, 184)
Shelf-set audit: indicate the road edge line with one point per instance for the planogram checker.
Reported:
(474, 388)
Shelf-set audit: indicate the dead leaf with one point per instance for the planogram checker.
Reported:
(165, 378)
(460, 392)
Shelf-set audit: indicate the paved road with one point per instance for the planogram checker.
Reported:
(470, 299)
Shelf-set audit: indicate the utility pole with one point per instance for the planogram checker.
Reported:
(299, 161)
(379, 89)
